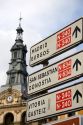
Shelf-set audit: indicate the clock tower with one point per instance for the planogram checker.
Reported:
(14, 92)
(17, 73)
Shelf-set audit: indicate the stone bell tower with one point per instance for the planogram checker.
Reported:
(17, 73)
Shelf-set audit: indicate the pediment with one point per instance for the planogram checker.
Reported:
(10, 96)
(10, 91)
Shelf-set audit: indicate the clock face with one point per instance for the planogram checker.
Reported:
(9, 98)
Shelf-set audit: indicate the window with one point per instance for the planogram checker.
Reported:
(23, 118)
(24, 56)
(9, 119)
(12, 79)
(15, 55)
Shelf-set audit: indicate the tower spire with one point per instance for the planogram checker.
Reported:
(17, 72)
(19, 37)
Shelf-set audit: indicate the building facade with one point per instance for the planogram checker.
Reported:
(14, 92)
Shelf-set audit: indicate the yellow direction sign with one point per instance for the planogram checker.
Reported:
(56, 74)
(57, 43)
(56, 103)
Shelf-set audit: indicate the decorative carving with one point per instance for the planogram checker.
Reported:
(17, 111)
(10, 89)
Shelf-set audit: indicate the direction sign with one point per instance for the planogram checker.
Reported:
(57, 43)
(56, 74)
(78, 120)
(56, 103)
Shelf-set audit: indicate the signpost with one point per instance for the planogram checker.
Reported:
(57, 43)
(65, 100)
(56, 74)
(59, 102)
(78, 120)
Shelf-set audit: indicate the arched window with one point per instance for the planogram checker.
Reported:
(9, 119)
(23, 118)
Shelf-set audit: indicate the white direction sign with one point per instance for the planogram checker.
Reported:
(57, 43)
(59, 102)
(58, 73)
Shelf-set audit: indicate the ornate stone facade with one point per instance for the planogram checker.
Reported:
(12, 107)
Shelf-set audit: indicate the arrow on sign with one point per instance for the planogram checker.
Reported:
(77, 95)
(76, 30)
(77, 62)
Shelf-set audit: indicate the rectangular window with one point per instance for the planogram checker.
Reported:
(12, 79)
(15, 55)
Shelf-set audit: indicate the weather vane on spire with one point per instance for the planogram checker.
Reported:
(20, 20)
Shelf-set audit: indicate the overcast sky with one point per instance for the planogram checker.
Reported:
(41, 18)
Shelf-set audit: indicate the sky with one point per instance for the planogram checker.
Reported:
(41, 18)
